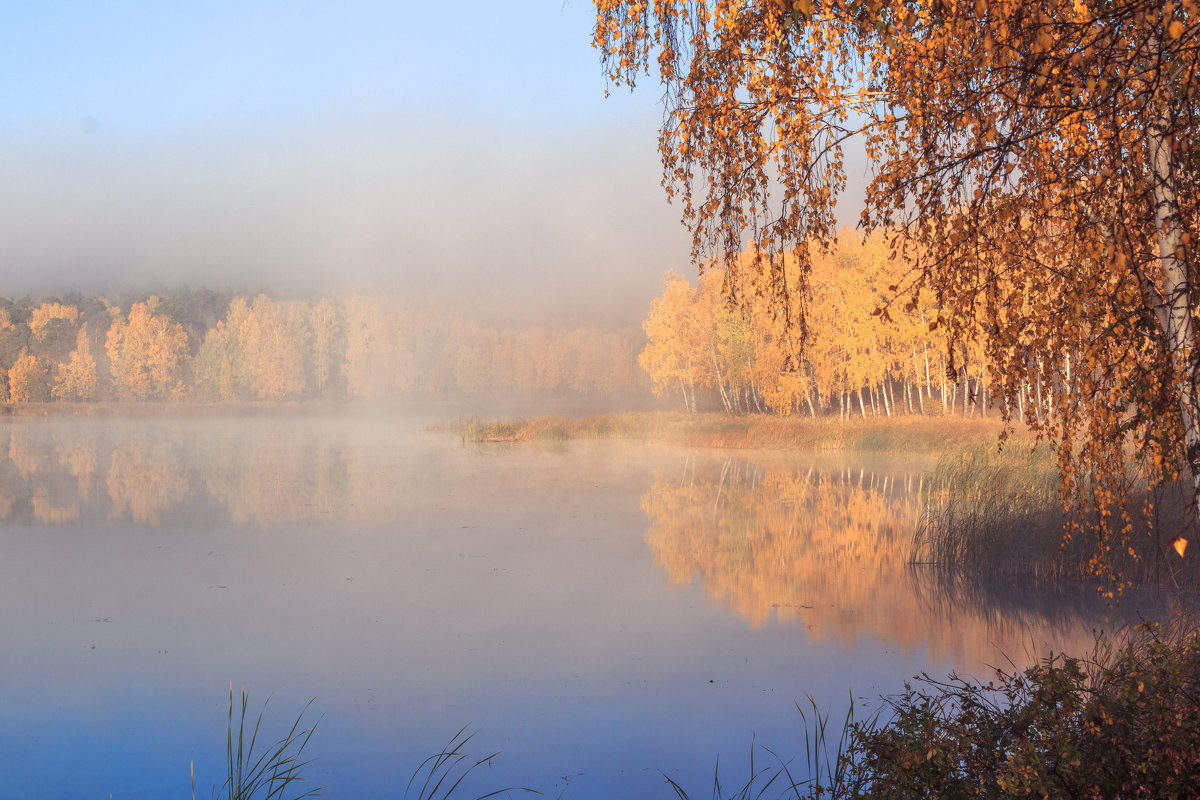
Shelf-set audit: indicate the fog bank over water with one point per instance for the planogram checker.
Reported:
(532, 221)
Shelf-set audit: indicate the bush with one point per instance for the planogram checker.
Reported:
(1124, 723)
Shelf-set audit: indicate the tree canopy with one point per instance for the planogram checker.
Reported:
(1036, 164)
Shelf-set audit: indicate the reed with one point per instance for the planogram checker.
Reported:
(996, 512)
(999, 514)
(440, 776)
(756, 431)
(830, 766)
(273, 773)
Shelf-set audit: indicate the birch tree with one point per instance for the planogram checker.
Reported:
(147, 353)
(1042, 153)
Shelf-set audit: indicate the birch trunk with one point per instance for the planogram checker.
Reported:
(720, 383)
(1175, 310)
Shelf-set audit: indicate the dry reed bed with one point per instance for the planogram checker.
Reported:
(898, 434)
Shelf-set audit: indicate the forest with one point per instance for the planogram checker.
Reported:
(858, 358)
(862, 356)
(207, 346)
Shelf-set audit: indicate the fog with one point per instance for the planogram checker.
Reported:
(566, 219)
(470, 156)
(463, 153)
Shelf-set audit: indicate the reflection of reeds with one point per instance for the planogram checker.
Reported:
(830, 550)
(996, 512)
(999, 514)
(1021, 620)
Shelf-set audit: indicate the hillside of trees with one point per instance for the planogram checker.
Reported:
(212, 347)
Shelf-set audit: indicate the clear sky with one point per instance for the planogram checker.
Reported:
(305, 146)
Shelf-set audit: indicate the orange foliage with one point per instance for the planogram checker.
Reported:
(753, 361)
(147, 352)
(1037, 160)
(826, 548)
(274, 337)
(46, 313)
(76, 379)
(27, 380)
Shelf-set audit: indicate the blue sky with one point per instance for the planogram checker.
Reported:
(465, 148)
(161, 67)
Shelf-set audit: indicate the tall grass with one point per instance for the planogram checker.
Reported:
(440, 775)
(996, 512)
(273, 773)
(999, 514)
(829, 765)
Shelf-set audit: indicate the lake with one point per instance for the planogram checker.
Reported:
(604, 613)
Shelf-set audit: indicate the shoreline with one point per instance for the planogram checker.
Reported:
(901, 434)
(914, 434)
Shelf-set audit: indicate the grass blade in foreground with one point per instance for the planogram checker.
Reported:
(831, 773)
(446, 770)
(273, 774)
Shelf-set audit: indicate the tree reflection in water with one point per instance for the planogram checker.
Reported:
(829, 548)
(798, 540)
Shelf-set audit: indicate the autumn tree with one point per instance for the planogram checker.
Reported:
(220, 369)
(673, 355)
(27, 380)
(147, 351)
(76, 379)
(275, 337)
(1037, 152)
(852, 356)
(327, 322)
(52, 325)
(379, 351)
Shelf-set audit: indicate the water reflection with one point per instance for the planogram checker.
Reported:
(59, 472)
(827, 547)
(821, 544)
(415, 585)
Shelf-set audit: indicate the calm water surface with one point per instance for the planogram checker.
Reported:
(603, 613)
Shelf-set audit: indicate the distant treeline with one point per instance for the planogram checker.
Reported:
(208, 346)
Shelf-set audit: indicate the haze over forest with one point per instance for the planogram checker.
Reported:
(466, 154)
